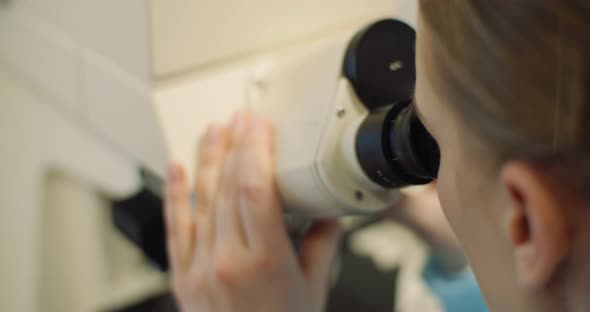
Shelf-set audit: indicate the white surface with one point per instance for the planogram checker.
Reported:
(120, 106)
(34, 138)
(155, 38)
(190, 33)
(406, 10)
(85, 263)
(185, 107)
(117, 29)
(50, 59)
(87, 85)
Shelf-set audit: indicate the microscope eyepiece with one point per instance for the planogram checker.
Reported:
(413, 147)
(380, 63)
(394, 149)
(392, 145)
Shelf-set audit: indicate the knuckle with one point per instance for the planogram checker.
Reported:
(252, 190)
(205, 195)
(185, 224)
(173, 194)
(170, 229)
(208, 154)
(207, 158)
(225, 271)
(202, 190)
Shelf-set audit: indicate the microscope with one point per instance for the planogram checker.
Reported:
(348, 137)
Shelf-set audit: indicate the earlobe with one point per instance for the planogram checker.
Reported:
(525, 258)
(536, 223)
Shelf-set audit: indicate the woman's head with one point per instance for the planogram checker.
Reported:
(504, 88)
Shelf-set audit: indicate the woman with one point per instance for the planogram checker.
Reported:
(501, 85)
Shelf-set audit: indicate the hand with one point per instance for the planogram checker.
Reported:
(232, 252)
(419, 209)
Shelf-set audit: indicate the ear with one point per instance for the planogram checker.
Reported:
(535, 221)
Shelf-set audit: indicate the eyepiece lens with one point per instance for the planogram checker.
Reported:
(413, 147)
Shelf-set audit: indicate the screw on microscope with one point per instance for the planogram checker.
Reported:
(396, 65)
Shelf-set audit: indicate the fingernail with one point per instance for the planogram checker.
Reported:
(256, 126)
(172, 172)
(240, 123)
(261, 127)
(213, 134)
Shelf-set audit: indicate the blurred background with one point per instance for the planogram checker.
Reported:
(92, 91)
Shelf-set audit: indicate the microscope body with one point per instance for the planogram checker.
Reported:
(316, 104)
(334, 123)
(316, 112)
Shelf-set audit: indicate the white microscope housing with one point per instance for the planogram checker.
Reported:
(318, 112)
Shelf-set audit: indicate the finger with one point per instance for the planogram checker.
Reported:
(212, 154)
(179, 220)
(260, 204)
(317, 252)
(230, 230)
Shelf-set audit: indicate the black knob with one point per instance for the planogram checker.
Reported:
(380, 63)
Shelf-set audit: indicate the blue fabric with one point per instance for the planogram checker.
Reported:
(458, 292)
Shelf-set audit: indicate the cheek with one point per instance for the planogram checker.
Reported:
(461, 197)
(447, 192)
(454, 188)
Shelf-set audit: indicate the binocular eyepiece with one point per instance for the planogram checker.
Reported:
(393, 147)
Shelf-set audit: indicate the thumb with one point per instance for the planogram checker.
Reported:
(317, 252)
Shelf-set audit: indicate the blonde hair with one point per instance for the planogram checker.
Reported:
(517, 73)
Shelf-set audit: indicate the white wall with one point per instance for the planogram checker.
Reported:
(35, 137)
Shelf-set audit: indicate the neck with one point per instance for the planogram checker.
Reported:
(576, 270)
(566, 293)
(577, 285)
(533, 303)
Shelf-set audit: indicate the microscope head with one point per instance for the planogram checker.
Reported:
(347, 135)
(392, 145)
